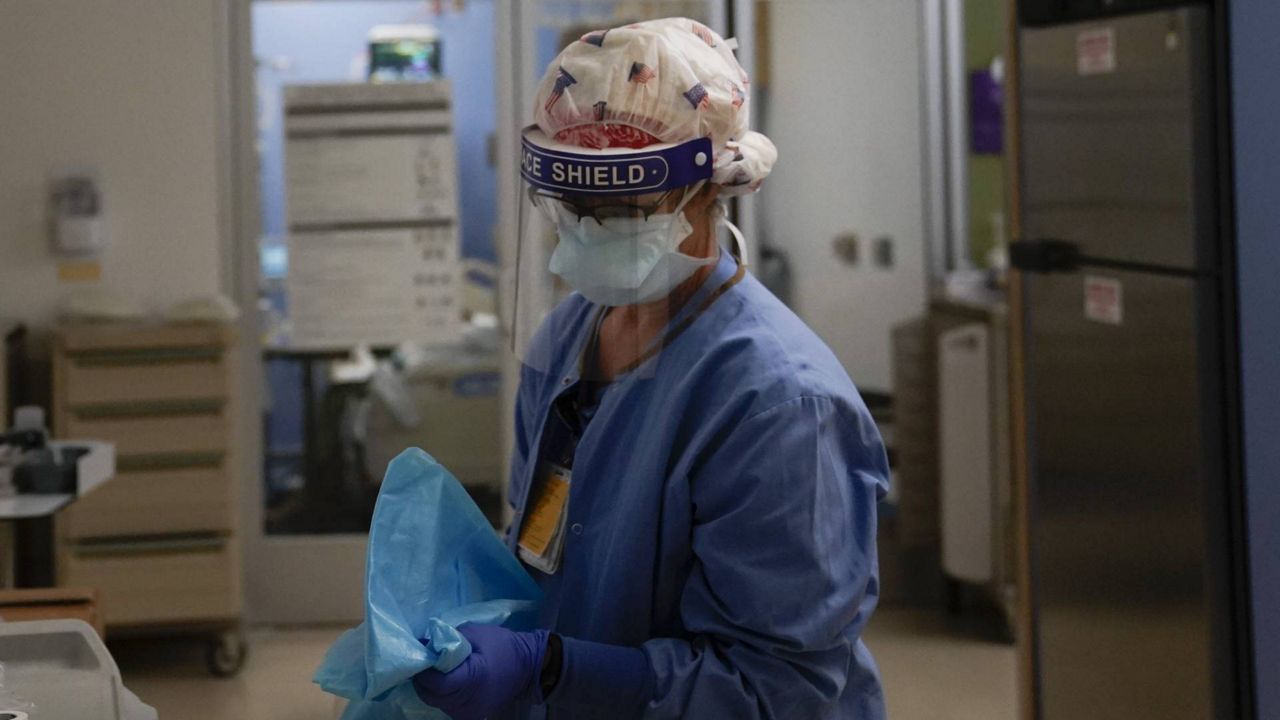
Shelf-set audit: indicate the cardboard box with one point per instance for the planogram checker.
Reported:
(51, 604)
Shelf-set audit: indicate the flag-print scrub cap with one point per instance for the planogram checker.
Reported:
(665, 82)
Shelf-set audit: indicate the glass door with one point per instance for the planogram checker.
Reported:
(372, 267)
(322, 149)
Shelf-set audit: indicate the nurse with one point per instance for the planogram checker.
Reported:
(695, 478)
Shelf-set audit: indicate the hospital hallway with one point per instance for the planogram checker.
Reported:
(582, 359)
(929, 672)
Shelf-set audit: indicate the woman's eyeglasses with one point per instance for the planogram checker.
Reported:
(601, 209)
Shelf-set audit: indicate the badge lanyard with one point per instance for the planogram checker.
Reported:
(541, 540)
(542, 533)
(684, 324)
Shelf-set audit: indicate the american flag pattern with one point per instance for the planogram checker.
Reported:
(597, 105)
(701, 31)
(641, 73)
(697, 97)
(563, 81)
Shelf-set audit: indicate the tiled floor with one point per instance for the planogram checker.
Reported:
(929, 673)
(933, 672)
(274, 685)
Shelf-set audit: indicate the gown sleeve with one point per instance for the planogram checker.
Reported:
(785, 574)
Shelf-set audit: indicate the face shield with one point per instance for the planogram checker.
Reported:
(605, 229)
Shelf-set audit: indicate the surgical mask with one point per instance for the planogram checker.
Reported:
(624, 261)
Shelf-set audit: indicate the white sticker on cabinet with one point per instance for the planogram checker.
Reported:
(1096, 51)
(1103, 300)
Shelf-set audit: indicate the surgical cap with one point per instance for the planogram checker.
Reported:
(661, 81)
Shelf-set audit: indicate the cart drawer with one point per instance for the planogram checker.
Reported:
(82, 338)
(158, 581)
(154, 435)
(153, 503)
(89, 383)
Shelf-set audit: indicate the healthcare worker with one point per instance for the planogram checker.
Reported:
(695, 478)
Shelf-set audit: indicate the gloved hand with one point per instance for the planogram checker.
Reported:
(503, 667)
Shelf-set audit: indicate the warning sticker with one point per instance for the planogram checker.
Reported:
(1103, 300)
(1096, 51)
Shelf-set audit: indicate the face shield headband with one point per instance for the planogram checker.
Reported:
(558, 168)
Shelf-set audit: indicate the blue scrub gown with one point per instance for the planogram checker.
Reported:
(722, 513)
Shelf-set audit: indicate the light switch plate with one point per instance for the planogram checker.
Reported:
(884, 252)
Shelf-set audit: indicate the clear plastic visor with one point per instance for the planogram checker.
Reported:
(616, 267)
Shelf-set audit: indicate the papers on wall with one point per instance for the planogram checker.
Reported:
(372, 179)
(373, 213)
(344, 285)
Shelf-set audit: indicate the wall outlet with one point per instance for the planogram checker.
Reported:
(846, 246)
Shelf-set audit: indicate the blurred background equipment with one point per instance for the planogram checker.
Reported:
(98, 304)
(61, 669)
(373, 214)
(377, 188)
(372, 261)
(449, 395)
(399, 53)
(38, 478)
(976, 498)
(950, 540)
(14, 384)
(21, 605)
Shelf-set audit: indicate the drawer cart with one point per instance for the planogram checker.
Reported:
(159, 542)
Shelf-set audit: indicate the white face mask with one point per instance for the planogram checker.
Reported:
(624, 261)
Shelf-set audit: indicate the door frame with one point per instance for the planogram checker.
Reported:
(1025, 628)
(291, 579)
(282, 573)
(287, 579)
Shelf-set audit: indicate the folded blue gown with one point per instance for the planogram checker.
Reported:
(434, 563)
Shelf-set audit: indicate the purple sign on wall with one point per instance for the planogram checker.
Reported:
(986, 113)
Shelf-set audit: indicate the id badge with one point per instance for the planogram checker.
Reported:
(542, 532)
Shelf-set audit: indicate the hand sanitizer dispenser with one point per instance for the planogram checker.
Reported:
(79, 221)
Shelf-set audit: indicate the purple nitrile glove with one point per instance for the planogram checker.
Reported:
(503, 668)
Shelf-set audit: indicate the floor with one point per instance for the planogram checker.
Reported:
(933, 670)
(275, 683)
(930, 672)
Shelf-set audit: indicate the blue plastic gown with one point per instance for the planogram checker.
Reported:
(434, 563)
(722, 513)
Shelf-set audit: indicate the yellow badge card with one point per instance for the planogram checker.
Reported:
(543, 519)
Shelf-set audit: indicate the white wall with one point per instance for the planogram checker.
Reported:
(131, 87)
(844, 110)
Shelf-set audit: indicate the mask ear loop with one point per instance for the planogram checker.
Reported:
(722, 219)
(689, 194)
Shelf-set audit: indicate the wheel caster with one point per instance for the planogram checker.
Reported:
(226, 654)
